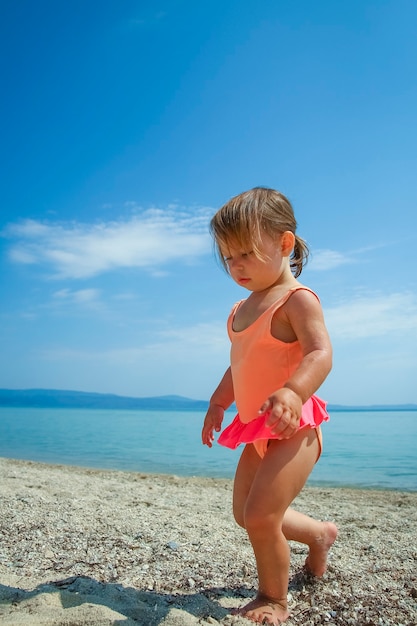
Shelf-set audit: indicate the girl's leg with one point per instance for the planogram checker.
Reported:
(275, 482)
(319, 536)
(245, 473)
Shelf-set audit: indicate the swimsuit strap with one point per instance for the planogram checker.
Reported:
(281, 301)
(269, 312)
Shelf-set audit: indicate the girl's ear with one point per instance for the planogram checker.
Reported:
(287, 243)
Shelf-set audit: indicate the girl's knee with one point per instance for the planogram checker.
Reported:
(256, 522)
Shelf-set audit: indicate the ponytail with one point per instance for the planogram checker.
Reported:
(299, 256)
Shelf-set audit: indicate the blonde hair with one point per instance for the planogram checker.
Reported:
(245, 218)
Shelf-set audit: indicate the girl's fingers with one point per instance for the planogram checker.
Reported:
(288, 433)
(274, 417)
(285, 426)
(278, 421)
(207, 436)
(265, 408)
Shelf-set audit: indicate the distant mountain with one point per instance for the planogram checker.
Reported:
(56, 398)
(372, 407)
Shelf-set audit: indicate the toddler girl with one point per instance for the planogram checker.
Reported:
(280, 355)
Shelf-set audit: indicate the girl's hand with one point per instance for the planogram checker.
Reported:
(212, 423)
(284, 412)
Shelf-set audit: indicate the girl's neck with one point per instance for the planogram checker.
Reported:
(282, 284)
(273, 292)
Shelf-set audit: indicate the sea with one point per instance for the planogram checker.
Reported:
(362, 449)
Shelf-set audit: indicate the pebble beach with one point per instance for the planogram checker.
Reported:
(83, 547)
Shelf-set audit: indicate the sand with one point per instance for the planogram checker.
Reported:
(88, 547)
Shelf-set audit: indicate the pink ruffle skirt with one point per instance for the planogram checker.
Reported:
(313, 414)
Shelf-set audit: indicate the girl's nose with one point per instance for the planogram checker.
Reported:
(235, 263)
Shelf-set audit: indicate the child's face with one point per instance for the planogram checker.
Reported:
(254, 273)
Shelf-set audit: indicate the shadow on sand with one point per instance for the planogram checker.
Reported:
(80, 600)
(138, 607)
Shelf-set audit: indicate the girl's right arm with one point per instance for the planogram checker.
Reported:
(221, 399)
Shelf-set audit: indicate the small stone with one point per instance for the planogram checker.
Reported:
(172, 545)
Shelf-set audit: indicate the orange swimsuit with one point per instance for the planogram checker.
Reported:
(261, 364)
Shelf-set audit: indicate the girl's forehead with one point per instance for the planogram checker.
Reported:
(232, 244)
(241, 243)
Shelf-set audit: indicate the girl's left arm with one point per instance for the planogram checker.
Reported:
(305, 316)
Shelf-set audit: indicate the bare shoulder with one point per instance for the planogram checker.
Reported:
(305, 314)
(303, 299)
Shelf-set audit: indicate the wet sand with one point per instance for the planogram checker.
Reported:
(89, 547)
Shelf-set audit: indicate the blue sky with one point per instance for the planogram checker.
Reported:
(127, 124)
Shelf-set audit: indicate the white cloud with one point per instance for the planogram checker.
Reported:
(328, 260)
(374, 316)
(325, 259)
(80, 296)
(149, 239)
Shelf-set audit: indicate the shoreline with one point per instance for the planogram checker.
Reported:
(96, 546)
(314, 483)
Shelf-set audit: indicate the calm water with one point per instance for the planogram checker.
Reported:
(361, 449)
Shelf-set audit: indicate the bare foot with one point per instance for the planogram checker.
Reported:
(316, 562)
(262, 610)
